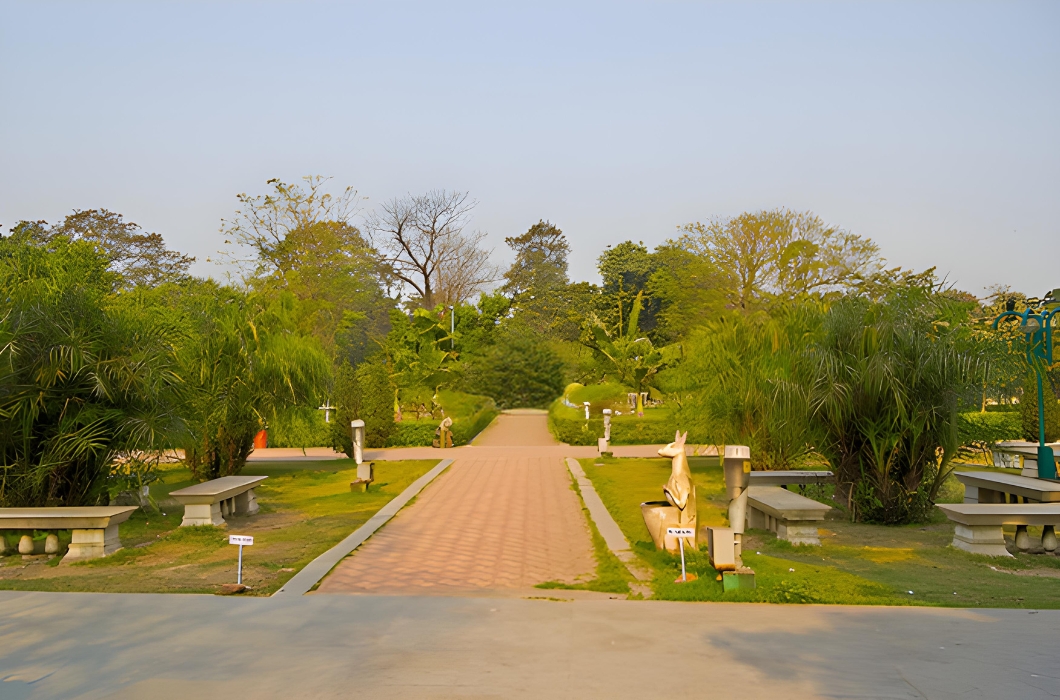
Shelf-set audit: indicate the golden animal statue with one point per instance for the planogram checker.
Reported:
(443, 434)
(679, 508)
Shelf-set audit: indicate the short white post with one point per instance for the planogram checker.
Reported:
(680, 541)
(241, 540)
(586, 404)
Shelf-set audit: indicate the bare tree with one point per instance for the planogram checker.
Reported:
(466, 269)
(427, 249)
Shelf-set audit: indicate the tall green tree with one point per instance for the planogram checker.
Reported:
(883, 381)
(139, 258)
(300, 240)
(540, 260)
(738, 384)
(363, 393)
(240, 364)
(778, 255)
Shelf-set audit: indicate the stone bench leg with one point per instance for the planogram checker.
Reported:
(93, 544)
(756, 519)
(202, 514)
(980, 539)
(798, 531)
(246, 503)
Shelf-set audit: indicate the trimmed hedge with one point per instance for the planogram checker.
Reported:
(982, 429)
(420, 433)
(625, 430)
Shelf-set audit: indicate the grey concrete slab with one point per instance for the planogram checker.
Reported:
(90, 646)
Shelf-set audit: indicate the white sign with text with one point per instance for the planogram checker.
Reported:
(240, 539)
(680, 532)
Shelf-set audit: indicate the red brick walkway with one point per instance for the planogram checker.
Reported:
(500, 519)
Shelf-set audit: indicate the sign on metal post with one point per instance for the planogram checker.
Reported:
(242, 541)
(681, 533)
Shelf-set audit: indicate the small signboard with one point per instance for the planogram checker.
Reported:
(240, 539)
(680, 532)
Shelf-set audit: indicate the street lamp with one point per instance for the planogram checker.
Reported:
(452, 327)
(1036, 324)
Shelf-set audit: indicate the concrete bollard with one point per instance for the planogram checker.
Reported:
(737, 466)
(357, 427)
(25, 545)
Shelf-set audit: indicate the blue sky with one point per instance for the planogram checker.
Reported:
(933, 128)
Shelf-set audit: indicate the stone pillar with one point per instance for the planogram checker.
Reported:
(980, 539)
(357, 427)
(93, 544)
(1048, 538)
(246, 503)
(202, 514)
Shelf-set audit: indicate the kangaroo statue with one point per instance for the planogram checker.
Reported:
(679, 508)
(679, 490)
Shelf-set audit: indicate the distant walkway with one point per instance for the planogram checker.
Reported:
(517, 428)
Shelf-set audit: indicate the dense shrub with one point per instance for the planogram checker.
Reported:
(518, 371)
(471, 414)
(83, 376)
(364, 393)
(1029, 411)
(656, 427)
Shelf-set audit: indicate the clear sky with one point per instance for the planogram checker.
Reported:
(933, 128)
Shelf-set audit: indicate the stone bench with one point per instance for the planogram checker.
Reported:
(1022, 455)
(790, 516)
(210, 502)
(94, 528)
(795, 477)
(979, 525)
(991, 487)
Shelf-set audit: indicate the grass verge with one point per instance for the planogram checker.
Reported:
(857, 564)
(306, 508)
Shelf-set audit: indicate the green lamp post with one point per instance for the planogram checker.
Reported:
(1036, 324)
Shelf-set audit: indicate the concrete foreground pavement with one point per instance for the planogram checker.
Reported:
(83, 645)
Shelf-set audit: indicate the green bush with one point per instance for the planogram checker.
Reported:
(368, 394)
(470, 413)
(984, 429)
(519, 371)
(300, 427)
(1029, 411)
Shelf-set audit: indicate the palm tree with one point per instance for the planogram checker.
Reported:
(84, 375)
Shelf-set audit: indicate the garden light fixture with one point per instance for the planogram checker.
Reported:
(1036, 324)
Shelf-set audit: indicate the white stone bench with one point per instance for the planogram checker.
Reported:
(790, 516)
(210, 502)
(991, 487)
(979, 525)
(94, 528)
(795, 477)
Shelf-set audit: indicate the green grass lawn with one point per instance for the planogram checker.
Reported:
(857, 564)
(306, 508)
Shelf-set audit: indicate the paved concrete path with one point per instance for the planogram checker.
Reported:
(90, 646)
(502, 519)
